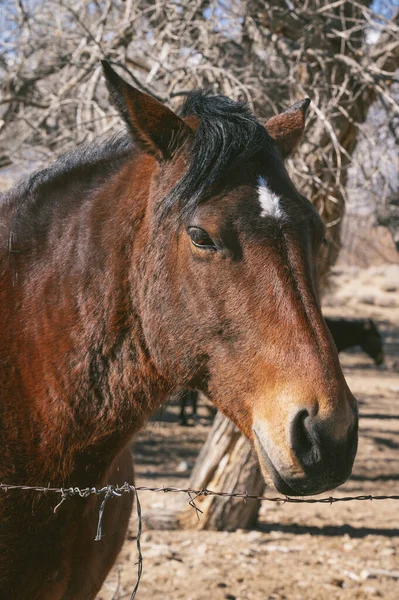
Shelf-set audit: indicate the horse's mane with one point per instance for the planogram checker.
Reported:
(227, 134)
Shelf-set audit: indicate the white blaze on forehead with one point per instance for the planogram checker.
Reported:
(269, 201)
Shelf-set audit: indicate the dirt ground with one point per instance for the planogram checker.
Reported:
(312, 552)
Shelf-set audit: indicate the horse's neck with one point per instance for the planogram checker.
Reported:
(84, 381)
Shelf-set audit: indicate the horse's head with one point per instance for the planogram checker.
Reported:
(228, 294)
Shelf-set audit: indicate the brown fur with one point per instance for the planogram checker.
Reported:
(93, 302)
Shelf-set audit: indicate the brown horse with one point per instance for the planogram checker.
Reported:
(193, 232)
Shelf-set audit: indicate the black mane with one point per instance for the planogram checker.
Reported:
(227, 134)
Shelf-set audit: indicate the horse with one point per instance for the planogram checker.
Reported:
(348, 333)
(186, 227)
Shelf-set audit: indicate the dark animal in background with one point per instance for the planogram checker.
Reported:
(193, 232)
(187, 398)
(348, 333)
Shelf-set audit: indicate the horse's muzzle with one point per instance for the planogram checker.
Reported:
(321, 463)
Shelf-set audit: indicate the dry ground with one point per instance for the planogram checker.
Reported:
(310, 552)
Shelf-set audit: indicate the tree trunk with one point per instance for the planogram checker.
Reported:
(226, 462)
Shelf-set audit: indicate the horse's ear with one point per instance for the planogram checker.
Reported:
(155, 126)
(287, 128)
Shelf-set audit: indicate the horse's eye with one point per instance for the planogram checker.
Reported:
(324, 242)
(201, 239)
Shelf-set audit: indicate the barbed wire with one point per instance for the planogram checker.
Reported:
(110, 491)
(118, 490)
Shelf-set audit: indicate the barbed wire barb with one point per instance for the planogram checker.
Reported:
(109, 493)
(193, 504)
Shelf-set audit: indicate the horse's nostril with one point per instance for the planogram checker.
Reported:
(304, 441)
